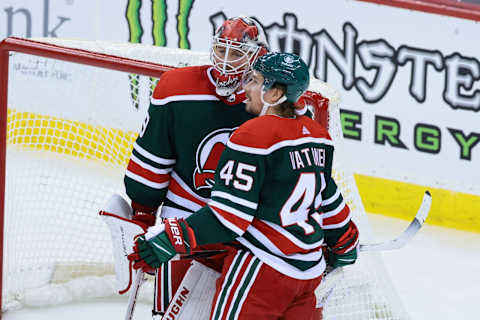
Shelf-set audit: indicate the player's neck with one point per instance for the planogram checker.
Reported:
(279, 112)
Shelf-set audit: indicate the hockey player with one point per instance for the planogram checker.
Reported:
(274, 194)
(193, 112)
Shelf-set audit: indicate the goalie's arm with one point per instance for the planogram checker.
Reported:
(153, 155)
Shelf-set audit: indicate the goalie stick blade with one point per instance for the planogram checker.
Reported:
(406, 235)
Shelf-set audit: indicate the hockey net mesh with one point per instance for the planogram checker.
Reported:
(70, 132)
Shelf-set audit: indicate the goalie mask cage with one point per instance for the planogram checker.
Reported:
(71, 111)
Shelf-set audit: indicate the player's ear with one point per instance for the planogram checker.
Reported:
(276, 93)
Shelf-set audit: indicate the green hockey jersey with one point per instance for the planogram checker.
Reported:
(274, 192)
(174, 158)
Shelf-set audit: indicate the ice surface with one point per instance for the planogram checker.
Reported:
(436, 275)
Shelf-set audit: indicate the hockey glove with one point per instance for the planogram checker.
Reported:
(344, 252)
(144, 253)
(163, 243)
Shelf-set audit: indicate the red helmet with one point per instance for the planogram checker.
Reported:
(237, 43)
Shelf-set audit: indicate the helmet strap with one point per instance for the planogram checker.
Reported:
(266, 105)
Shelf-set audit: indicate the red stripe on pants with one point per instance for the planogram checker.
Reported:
(272, 296)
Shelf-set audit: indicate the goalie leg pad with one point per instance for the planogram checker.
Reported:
(167, 280)
(195, 294)
(170, 275)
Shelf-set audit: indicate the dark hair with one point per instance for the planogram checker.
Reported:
(286, 108)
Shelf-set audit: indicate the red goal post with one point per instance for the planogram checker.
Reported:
(60, 53)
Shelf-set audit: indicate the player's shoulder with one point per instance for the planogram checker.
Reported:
(268, 131)
(186, 81)
(317, 130)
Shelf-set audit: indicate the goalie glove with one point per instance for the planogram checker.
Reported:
(117, 215)
(161, 243)
(344, 252)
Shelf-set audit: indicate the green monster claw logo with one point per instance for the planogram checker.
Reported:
(159, 20)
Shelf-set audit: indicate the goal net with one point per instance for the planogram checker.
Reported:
(71, 111)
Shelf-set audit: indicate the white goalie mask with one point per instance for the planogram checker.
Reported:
(236, 45)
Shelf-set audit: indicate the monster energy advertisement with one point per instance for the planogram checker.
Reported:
(409, 80)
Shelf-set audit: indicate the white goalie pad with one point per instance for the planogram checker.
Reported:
(193, 299)
(117, 216)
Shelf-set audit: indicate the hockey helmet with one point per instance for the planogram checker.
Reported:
(284, 68)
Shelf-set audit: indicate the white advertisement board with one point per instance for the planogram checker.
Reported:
(409, 80)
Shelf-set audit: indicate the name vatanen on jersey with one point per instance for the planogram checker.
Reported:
(285, 227)
(308, 156)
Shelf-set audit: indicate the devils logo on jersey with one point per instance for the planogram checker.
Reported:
(207, 157)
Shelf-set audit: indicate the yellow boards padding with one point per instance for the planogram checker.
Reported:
(401, 200)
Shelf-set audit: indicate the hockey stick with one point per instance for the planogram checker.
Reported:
(202, 254)
(132, 298)
(333, 276)
(406, 235)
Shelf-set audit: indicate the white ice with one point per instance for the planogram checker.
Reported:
(438, 274)
(437, 277)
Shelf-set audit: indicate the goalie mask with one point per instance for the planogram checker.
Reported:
(236, 46)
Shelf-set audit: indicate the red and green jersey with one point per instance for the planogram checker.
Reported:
(273, 190)
(175, 155)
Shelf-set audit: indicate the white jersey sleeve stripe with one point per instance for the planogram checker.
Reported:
(338, 225)
(186, 188)
(149, 167)
(335, 211)
(142, 180)
(231, 210)
(332, 199)
(265, 241)
(227, 223)
(234, 199)
(292, 238)
(150, 156)
(182, 201)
